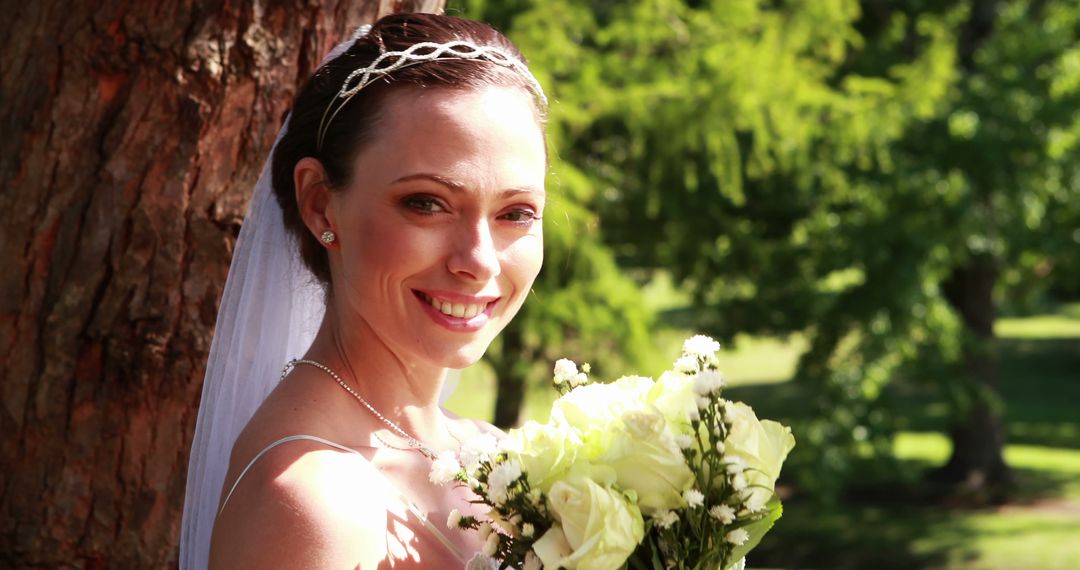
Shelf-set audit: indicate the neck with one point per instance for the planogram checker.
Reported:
(405, 392)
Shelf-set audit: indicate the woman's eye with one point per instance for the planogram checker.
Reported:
(424, 204)
(521, 216)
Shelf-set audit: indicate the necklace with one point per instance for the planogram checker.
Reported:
(413, 442)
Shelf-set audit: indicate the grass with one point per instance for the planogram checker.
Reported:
(902, 527)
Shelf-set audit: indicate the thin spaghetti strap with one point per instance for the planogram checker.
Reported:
(419, 514)
(272, 446)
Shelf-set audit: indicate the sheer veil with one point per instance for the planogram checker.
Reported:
(270, 311)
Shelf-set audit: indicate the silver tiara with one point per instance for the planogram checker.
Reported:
(391, 61)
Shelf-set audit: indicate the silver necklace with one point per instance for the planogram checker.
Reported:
(413, 442)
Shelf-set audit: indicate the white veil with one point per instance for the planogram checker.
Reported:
(270, 311)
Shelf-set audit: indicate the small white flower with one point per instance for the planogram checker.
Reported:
(444, 469)
(755, 501)
(735, 464)
(700, 346)
(693, 498)
(719, 445)
(738, 537)
(579, 379)
(492, 544)
(586, 368)
(532, 561)
(723, 513)
(703, 402)
(500, 479)
(684, 441)
(708, 381)
(454, 519)
(738, 482)
(666, 519)
(484, 530)
(477, 449)
(527, 530)
(565, 369)
(687, 365)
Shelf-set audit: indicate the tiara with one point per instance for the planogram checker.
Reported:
(388, 62)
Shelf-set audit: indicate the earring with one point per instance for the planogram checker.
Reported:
(328, 237)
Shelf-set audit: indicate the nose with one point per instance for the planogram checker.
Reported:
(473, 255)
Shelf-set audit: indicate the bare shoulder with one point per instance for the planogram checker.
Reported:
(471, 427)
(303, 505)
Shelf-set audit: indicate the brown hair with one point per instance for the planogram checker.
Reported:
(355, 124)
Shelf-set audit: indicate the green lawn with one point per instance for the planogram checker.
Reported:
(900, 528)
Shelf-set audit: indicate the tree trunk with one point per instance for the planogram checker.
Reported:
(979, 439)
(133, 132)
(510, 378)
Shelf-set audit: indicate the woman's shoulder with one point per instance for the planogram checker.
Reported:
(303, 503)
(471, 427)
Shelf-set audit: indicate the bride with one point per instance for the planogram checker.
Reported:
(398, 222)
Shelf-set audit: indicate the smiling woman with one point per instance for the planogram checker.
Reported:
(410, 178)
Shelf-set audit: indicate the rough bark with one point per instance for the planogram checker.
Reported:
(133, 132)
(978, 440)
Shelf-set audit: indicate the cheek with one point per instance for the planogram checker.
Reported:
(523, 261)
(387, 249)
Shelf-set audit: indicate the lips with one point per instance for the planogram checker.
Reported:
(456, 306)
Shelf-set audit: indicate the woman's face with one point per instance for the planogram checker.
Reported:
(439, 237)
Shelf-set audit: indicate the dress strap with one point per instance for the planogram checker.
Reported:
(416, 511)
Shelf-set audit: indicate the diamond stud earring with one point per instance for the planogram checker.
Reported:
(328, 237)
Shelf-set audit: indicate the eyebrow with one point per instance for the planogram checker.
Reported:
(455, 186)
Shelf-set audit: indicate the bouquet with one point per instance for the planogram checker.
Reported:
(635, 473)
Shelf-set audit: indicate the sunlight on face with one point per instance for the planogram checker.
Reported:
(439, 232)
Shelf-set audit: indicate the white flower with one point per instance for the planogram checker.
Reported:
(579, 379)
(527, 530)
(755, 501)
(665, 519)
(687, 365)
(708, 381)
(565, 369)
(703, 402)
(738, 537)
(684, 441)
(492, 544)
(720, 445)
(700, 346)
(738, 481)
(532, 561)
(693, 498)
(477, 449)
(454, 519)
(734, 464)
(723, 513)
(444, 469)
(500, 479)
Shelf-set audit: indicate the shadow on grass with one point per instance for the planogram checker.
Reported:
(895, 519)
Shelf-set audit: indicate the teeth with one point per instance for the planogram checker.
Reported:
(458, 310)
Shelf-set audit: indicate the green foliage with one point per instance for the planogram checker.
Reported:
(821, 167)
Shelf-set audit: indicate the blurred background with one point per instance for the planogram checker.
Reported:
(873, 204)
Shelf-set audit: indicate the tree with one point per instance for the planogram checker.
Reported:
(863, 172)
(583, 305)
(134, 132)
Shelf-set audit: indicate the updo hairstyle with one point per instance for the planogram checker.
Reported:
(356, 124)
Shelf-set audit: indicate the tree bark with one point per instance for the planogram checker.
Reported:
(133, 132)
(510, 377)
(978, 441)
